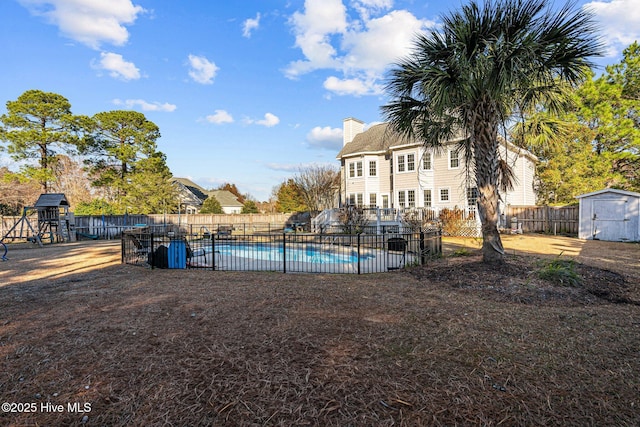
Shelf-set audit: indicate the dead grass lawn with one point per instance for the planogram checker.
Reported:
(451, 343)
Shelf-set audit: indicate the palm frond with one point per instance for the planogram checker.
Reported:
(507, 178)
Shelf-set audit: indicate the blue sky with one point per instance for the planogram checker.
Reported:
(245, 92)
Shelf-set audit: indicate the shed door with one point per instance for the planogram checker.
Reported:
(609, 219)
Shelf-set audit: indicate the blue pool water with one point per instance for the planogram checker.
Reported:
(308, 253)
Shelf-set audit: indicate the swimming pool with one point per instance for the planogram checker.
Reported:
(308, 253)
(286, 252)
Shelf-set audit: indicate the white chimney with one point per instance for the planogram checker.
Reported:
(351, 127)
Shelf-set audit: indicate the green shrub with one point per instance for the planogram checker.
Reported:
(560, 271)
(461, 252)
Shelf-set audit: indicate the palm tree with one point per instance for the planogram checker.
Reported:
(484, 66)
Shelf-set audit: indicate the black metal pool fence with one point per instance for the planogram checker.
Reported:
(284, 252)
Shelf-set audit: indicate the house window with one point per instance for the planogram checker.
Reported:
(373, 168)
(385, 201)
(411, 162)
(427, 198)
(411, 198)
(401, 199)
(359, 168)
(352, 170)
(454, 159)
(373, 200)
(444, 194)
(472, 196)
(352, 199)
(400, 163)
(426, 161)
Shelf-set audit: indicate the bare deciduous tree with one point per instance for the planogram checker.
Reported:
(352, 219)
(72, 180)
(16, 192)
(319, 186)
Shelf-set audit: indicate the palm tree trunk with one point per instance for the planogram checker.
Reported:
(486, 158)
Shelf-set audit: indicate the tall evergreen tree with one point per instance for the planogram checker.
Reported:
(593, 145)
(610, 107)
(119, 139)
(149, 189)
(39, 126)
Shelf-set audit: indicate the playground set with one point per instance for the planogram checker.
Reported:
(55, 223)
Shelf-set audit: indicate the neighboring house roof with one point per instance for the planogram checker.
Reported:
(225, 198)
(194, 188)
(51, 200)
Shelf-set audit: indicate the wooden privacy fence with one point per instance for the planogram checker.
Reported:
(544, 219)
(111, 226)
(531, 219)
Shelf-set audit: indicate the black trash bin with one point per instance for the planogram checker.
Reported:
(397, 244)
(160, 257)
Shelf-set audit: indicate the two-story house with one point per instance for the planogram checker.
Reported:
(381, 169)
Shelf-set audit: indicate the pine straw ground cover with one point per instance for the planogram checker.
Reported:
(452, 343)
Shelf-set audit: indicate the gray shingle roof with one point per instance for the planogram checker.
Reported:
(377, 138)
(225, 198)
(51, 200)
(380, 138)
(194, 188)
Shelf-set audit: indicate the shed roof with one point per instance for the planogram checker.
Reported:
(609, 190)
(50, 200)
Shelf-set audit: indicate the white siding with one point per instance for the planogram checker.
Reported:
(389, 183)
(524, 171)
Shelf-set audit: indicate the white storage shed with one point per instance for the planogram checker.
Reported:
(610, 214)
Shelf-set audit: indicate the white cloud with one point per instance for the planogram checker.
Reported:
(117, 67)
(365, 7)
(146, 106)
(360, 49)
(220, 117)
(270, 120)
(325, 137)
(283, 167)
(619, 22)
(383, 41)
(250, 25)
(290, 167)
(354, 86)
(202, 70)
(91, 22)
(313, 29)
